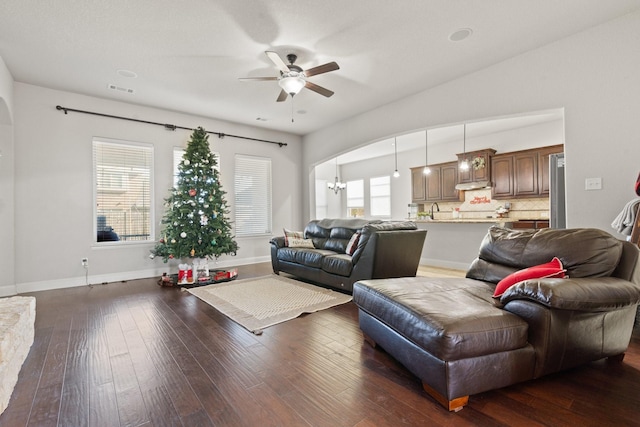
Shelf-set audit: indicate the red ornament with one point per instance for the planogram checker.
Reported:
(192, 192)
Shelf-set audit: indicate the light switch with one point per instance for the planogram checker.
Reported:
(593, 184)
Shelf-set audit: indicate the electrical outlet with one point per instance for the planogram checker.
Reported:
(593, 184)
(85, 262)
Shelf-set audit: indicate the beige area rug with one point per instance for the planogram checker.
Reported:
(265, 301)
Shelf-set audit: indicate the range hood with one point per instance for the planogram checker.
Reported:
(476, 185)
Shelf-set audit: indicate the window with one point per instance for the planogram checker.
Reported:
(177, 158)
(355, 199)
(380, 196)
(252, 195)
(122, 191)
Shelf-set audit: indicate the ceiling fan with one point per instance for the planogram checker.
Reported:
(293, 78)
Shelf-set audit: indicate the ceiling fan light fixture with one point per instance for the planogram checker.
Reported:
(292, 83)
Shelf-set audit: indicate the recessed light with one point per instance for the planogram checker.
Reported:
(127, 73)
(461, 34)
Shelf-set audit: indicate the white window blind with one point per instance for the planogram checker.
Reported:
(122, 191)
(380, 196)
(355, 198)
(177, 158)
(355, 194)
(252, 195)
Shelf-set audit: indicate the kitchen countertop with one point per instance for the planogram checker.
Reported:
(465, 220)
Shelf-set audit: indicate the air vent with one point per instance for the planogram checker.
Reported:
(117, 88)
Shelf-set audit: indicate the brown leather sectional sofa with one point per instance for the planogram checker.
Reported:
(459, 340)
(384, 249)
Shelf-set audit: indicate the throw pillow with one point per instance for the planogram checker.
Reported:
(295, 242)
(289, 234)
(552, 268)
(353, 243)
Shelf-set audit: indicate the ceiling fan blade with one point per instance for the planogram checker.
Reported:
(282, 97)
(275, 58)
(330, 66)
(318, 89)
(258, 78)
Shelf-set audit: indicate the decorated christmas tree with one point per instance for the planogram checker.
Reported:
(195, 223)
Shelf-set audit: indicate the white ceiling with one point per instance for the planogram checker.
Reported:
(188, 55)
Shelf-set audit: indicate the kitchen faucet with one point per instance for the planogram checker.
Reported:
(431, 210)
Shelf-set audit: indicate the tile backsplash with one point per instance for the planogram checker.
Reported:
(478, 204)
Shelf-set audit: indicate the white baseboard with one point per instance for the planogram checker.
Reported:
(445, 264)
(8, 290)
(72, 282)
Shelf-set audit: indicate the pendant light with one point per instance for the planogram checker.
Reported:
(464, 164)
(336, 186)
(395, 147)
(427, 169)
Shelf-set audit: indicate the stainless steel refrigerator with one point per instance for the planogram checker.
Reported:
(557, 199)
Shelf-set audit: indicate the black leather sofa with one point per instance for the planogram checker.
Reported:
(384, 249)
(460, 340)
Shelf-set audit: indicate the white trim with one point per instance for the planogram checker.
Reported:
(100, 279)
(8, 290)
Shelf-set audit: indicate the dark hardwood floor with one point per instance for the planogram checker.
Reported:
(136, 354)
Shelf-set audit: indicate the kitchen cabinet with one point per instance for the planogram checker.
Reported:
(530, 224)
(543, 167)
(473, 174)
(522, 174)
(502, 176)
(439, 185)
(417, 185)
(433, 184)
(449, 176)
(525, 174)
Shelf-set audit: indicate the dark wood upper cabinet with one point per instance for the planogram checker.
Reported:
(482, 173)
(417, 185)
(525, 168)
(449, 177)
(439, 185)
(522, 174)
(502, 171)
(519, 174)
(434, 184)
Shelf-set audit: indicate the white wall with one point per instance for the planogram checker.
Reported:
(54, 188)
(592, 75)
(6, 94)
(7, 276)
(335, 202)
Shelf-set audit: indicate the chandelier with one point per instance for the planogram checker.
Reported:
(336, 185)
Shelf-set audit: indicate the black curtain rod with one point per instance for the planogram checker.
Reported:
(165, 125)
